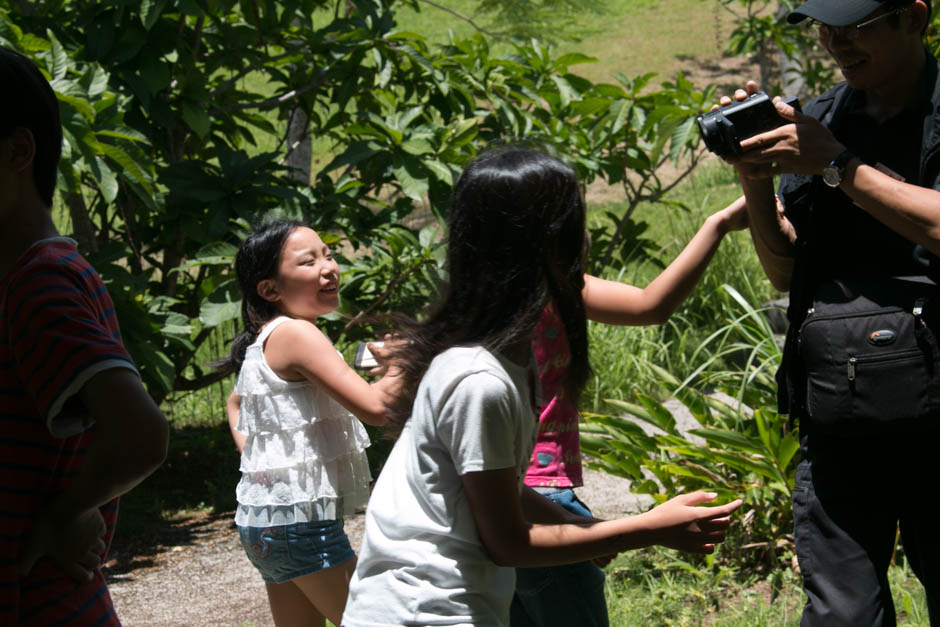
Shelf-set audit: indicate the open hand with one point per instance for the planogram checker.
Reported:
(679, 524)
(75, 546)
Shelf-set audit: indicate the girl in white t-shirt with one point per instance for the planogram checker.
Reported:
(450, 516)
(295, 416)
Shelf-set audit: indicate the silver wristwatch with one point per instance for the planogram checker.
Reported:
(832, 173)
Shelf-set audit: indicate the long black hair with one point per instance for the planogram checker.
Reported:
(516, 242)
(257, 259)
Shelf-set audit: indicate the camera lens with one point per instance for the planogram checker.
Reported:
(714, 126)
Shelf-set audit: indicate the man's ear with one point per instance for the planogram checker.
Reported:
(918, 16)
(267, 290)
(19, 149)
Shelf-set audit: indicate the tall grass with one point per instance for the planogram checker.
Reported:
(655, 587)
(620, 355)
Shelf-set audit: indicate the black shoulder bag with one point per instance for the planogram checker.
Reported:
(870, 354)
(867, 348)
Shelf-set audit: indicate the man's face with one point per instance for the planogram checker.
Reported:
(875, 55)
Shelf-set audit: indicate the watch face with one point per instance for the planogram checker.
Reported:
(832, 176)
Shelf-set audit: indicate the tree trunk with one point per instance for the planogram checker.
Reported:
(791, 69)
(83, 229)
(299, 149)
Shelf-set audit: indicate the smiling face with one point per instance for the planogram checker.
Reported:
(883, 55)
(307, 282)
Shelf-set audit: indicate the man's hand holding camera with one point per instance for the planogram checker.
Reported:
(802, 147)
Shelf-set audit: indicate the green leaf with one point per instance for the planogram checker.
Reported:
(658, 414)
(150, 12)
(177, 324)
(565, 90)
(107, 182)
(60, 60)
(787, 450)
(79, 105)
(197, 118)
(417, 147)
(441, 171)
(223, 304)
(730, 439)
(129, 166)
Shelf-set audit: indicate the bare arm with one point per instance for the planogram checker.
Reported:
(612, 302)
(298, 350)
(771, 232)
(232, 408)
(512, 540)
(909, 210)
(130, 442)
(539, 509)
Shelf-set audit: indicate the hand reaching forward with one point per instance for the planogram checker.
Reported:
(679, 524)
(75, 546)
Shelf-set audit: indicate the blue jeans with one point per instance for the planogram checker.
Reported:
(565, 596)
(286, 552)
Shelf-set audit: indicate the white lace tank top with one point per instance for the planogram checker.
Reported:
(304, 458)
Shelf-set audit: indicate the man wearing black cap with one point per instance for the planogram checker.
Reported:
(858, 201)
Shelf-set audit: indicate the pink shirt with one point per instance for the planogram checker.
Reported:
(556, 459)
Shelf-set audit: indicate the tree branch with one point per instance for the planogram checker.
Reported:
(378, 301)
(182, 384)
(460, 16)
(248, 69)
(270, 103)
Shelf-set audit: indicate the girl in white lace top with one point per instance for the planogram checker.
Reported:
(295, 414)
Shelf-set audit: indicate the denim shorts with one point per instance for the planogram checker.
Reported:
(289, 551)
(570, 594)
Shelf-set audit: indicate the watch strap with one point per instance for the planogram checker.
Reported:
(842, 160)
(832, 173)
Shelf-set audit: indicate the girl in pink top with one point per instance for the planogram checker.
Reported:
(574, 594)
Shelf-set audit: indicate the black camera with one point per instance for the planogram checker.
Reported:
(725, 127)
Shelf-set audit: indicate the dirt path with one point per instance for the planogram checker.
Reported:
(199, 574)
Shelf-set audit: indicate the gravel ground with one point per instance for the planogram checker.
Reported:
(199, 575)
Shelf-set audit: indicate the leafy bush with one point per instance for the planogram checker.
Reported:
(178, 117)
(743, 449)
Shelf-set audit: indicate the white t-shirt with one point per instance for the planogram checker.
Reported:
(422, 561)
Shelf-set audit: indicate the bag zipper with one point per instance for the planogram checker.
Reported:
(853, 362)
(811, 317)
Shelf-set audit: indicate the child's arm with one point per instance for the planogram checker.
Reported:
(232, 407)
(298, 350)
(511, 540)
(612, 302)
(130, 442)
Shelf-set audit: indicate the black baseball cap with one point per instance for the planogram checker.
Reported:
(842, 12)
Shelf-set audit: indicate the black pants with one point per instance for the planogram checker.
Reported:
(851, 495)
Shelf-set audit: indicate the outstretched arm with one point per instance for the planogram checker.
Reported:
(130, 443)
(612, 302)
(512, 540)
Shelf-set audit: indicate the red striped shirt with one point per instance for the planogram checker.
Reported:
(57, 330)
